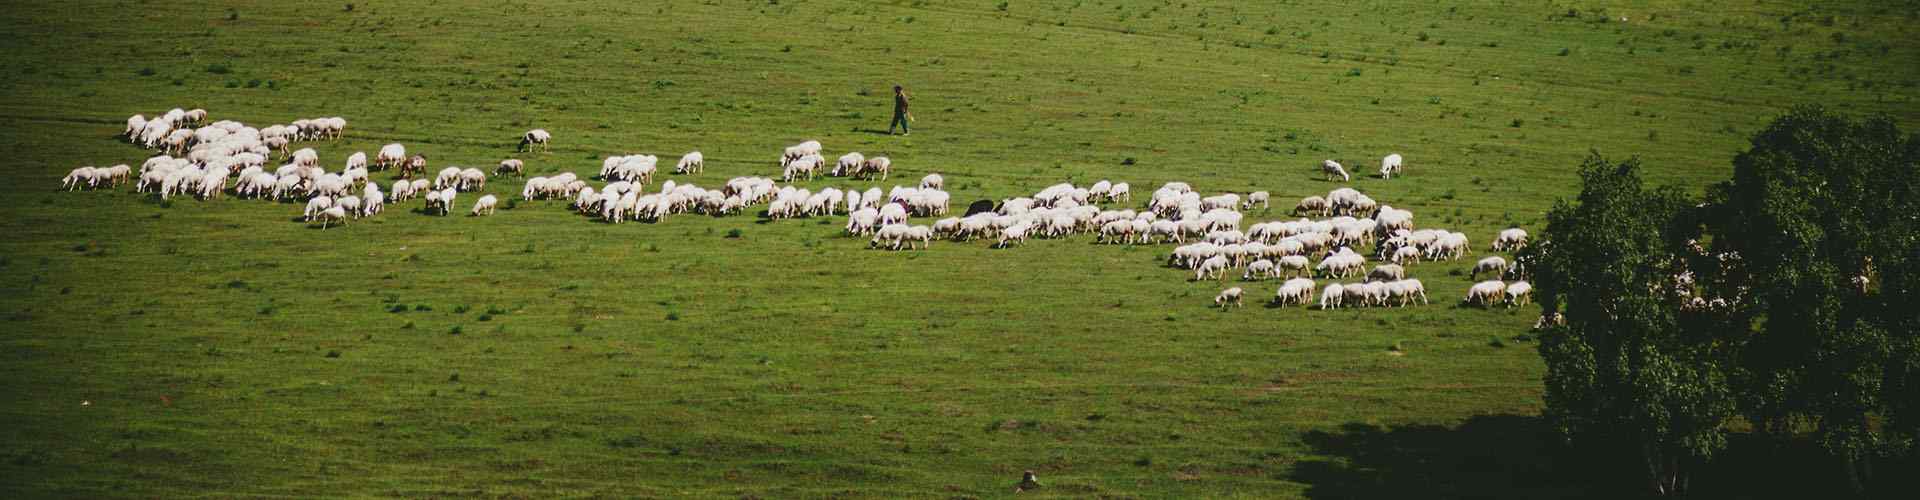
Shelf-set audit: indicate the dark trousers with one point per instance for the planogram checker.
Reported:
(899, 120)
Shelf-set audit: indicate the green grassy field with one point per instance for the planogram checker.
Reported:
(221, 348)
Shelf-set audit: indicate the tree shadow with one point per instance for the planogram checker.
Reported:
(1499, 456)
(1512, 456)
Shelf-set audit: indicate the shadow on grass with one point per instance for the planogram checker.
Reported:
(1504, 456)
(1511, 456)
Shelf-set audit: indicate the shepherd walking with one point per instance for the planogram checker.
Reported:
(900, 114)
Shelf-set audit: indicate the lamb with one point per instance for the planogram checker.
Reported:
(1389, 165)
(536, 137)
(1495, 265)
(510, 166)
(1228, 296)
(1333, 169)
(334, 214)
(484, 206)
(1518, 292)
(691, 163)
(1294, 291)
(1513, 239)
(1485, 292)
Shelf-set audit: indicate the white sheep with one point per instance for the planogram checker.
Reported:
(390, 155)
(316, 205)
(1485, 292)
(512, 166)
(1230, 296)
(1333, 169)
(849, 164)
(334, 214)
(357, 160)
(880, 165)
(1390, 165)
(1256, 197)
(485, 205)
(375, 203)
(1494, 265)
(1331, 295)
(1512, 239)
(933, 181)
(472, 179)
(1518, 292)
(691, 163)
(536, 137)
(1297, 291)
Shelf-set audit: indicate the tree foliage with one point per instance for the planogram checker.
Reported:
(1621, 371)
(1820, 214)
(1789, 297)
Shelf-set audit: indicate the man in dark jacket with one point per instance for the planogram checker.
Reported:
(900, 114)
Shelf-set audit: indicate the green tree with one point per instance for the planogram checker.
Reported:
(1816, 207)
(1623, 375)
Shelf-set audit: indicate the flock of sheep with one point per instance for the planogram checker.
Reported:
(208, 160)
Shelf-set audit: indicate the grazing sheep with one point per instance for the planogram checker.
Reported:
(317, 205)
(1230, 296)
(1485, 292)
(1210, 268)
(484, 206)
(1518, 292)
(1331, 295)
(416, 165)
(1121, 192)
(448, 177)
(1258, 270)
(351, 204)
(376, 202)
(1390, 165)
(510, 166)
(1333, 169)
(1311, 205)
(880, 165)
(1510, 240)
(849, 164)
(330, 215)
(357, 160)
(933, 181)
(1256, 197)
(1495, 265)
(1387, 272)
(390, 155)
(536, 137)
(691, 163)
(1297, 291)
(472, 179)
